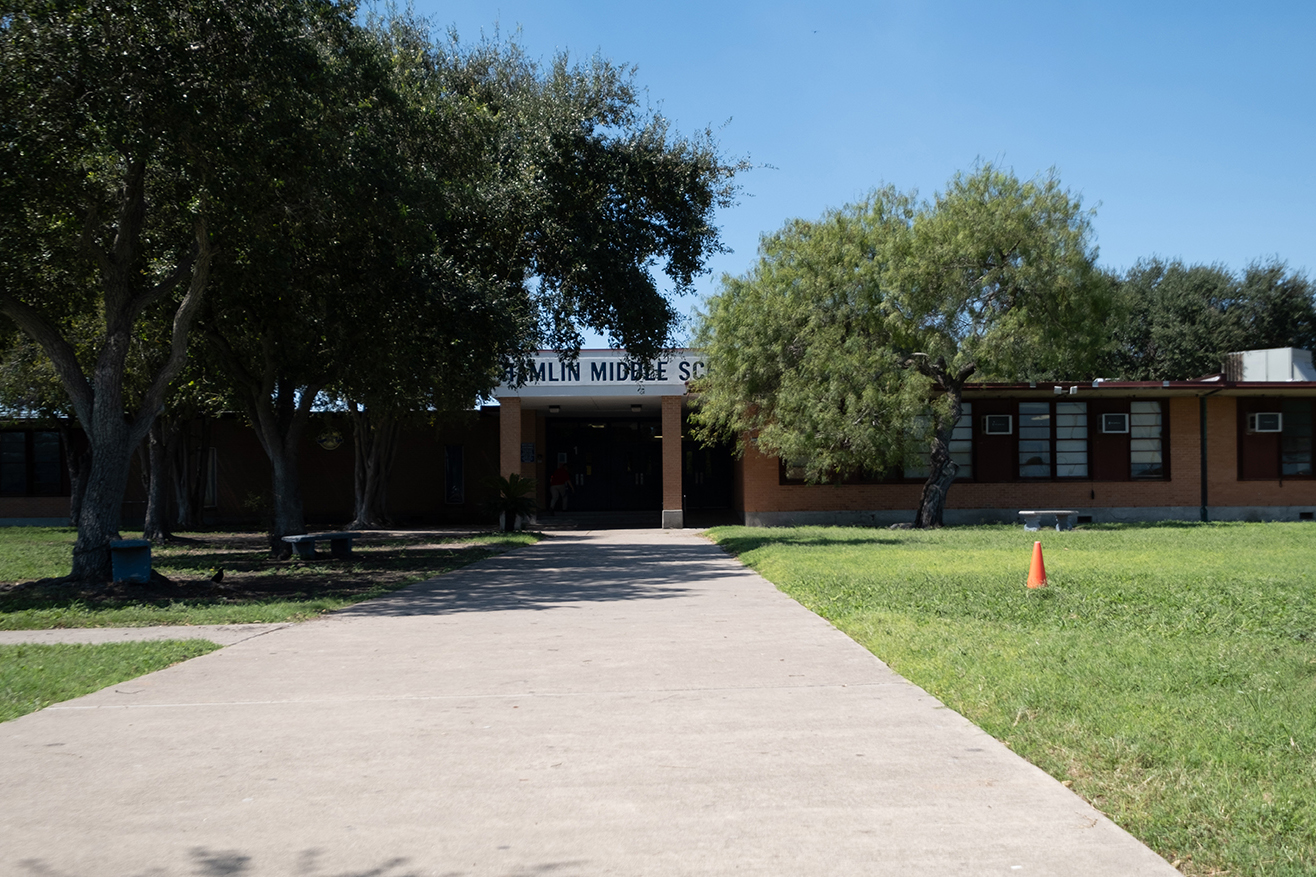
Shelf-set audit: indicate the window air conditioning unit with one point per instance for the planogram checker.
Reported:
(1265, 421)
(1114, 423)
(998, 424)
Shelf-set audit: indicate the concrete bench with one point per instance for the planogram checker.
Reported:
(340, 543)
(1033, 519)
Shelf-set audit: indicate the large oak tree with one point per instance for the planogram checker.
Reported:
(130, 137)
(497, 206)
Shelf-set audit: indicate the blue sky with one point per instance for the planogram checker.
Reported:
(1190, 127)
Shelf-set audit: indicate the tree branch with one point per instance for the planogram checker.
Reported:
(132, 215)
(61, 354)
(183, 319)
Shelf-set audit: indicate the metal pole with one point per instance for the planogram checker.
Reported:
(1202, 453)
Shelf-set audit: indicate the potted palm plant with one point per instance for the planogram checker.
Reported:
(514, 501)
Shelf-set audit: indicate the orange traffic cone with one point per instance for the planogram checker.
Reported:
(1037, 572)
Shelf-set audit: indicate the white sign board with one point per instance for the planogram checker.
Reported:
(608, 373)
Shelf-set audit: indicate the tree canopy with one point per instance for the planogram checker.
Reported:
(312, 191)
(848, 345)
(134, 142)
(1179, 321)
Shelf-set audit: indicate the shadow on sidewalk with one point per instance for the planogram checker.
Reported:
(561, 570)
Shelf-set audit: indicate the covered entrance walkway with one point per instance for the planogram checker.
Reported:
(617, 427)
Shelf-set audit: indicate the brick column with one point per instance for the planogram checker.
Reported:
(509, 436)
(673, 501)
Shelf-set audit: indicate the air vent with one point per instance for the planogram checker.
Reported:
(1265, 421)
(998, 424)
(1114, 423)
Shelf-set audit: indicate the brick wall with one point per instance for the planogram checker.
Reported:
(1222, 452)
(509, 436)
(35, 507)
(760, 490)
(672, 498)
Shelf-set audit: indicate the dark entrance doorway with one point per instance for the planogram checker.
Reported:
(707, 476)
(615, 464)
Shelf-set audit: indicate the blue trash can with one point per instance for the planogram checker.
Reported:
(131, 560)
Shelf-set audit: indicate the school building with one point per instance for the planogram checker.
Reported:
(1233, 446)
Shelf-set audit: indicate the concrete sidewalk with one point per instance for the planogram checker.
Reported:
(623, 702)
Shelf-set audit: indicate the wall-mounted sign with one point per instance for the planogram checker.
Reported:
(329, 439)
(606, 373)
(527, 452)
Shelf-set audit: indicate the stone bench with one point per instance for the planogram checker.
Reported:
(1033, 519)
(340, 543)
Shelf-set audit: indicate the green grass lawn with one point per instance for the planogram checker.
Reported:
(1167, 673)
(35, 676)
(255, 588)
(28, 553)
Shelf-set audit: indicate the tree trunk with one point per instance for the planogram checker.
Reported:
(280, 417)
(193, 473)
(289, 516)
(941, 468)
(176, 465)
(942, 472)
(98, 521)
(77, 458)
(279, 410)
(375, 445)
(156, 527)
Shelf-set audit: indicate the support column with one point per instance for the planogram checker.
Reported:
(509, 436)
(673, 500)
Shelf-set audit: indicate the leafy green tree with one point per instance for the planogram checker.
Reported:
(496, 208)
(1183, 319)
(315, 273)
(129, 136)
(850, 342)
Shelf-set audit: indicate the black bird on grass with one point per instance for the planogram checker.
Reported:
(218, 576)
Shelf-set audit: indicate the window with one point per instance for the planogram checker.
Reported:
(454, 476)
(793, 470)
(1275, 438)
(1071, 440)
(1034, 439)
(211, 498)
(1145, 449)
(13, 464)
(1053, 440)
(30, 463)
(1295, 441)
(961, 444)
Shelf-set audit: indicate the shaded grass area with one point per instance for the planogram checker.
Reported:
(28, 553)
(254, 588)
(34, 676)
(1167, 673)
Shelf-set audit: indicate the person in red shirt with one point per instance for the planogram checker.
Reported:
(559, 485)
